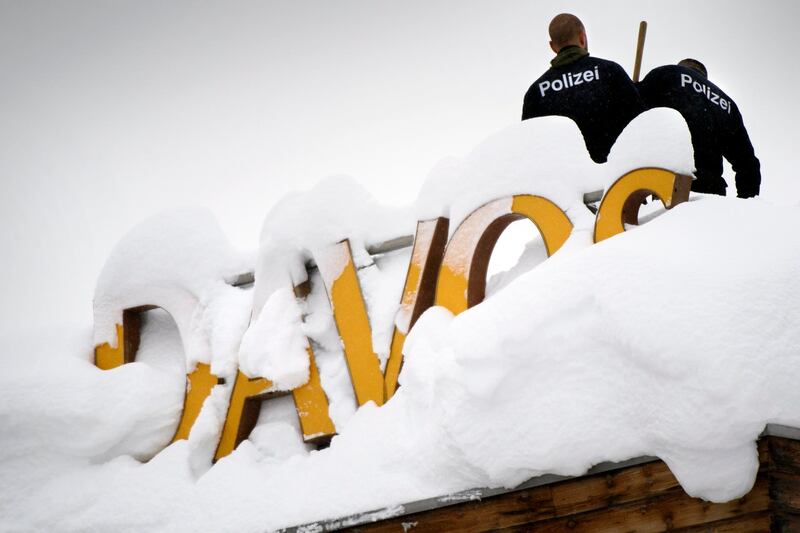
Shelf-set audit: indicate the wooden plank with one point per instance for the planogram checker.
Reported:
(632, 500)
(469, 517)
(542, 503)
(750, 523)
(784, 484)
(643, 493)
(784, 454)
(611, 489)
(784, 491)
(763, 452)
(669, 511)
(784, 523)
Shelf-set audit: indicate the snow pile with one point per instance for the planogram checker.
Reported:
(179, 261)
(303, 225)
(674, 340)
(662, 341)
(677, 339)
(61, 415)
(275, 345)
(299, 231)
(547, 157)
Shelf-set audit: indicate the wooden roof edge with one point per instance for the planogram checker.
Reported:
(427, 504)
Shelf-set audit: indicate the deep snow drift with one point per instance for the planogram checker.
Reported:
(677, 338)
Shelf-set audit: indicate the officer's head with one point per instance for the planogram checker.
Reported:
(567, 30)
(694, 65)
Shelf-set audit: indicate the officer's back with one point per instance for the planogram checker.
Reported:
(714, 122)
(597, 94)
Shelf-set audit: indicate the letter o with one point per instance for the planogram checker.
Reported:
(462, 277)
(559, 86)
(620, 204)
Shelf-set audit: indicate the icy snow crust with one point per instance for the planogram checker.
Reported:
(677, 338)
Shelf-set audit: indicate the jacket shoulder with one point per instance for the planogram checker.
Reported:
(611, 65)
(664, 70)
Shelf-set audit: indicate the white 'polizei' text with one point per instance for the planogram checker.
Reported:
(569, 79)
(716, 99)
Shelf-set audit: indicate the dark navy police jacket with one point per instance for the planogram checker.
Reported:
(714, 122)
(597, 94)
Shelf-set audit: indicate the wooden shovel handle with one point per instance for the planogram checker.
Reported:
(637, 66)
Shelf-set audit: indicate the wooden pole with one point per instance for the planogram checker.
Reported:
(637, 66)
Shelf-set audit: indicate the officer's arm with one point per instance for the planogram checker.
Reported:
(739, 151)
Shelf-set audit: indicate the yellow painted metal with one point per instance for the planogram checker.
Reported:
(410, 290)
(310, 402)
(621, 202)
(310, 399)
(200, 383)
(394, 364)
(106, 357)
(243, 389)
(426, 256)
(312, 405)
(461, 284)
(352, 321)
(451, 291)
(462, 277)
(552, 222)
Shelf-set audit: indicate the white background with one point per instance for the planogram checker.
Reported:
(112, 111)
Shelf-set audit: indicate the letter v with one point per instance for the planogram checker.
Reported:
(350, 313)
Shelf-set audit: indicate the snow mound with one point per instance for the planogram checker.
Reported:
(677, 338)
(304, 224)
(547, 156)
(275, 345)
(180, 261)
(674, 339)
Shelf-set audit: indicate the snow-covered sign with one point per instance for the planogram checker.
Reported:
(449, 274)
(552, 366)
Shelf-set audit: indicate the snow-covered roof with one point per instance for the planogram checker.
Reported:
(677, 340)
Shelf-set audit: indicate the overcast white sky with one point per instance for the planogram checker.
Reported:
(111, 111)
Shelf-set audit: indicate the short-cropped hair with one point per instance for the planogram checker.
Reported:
(564, 28)
(694, 65)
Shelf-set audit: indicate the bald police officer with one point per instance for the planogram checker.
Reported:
(597, 94)
(714, 121)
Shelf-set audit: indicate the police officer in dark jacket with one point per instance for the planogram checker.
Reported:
(714, 122)
(597, 94)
